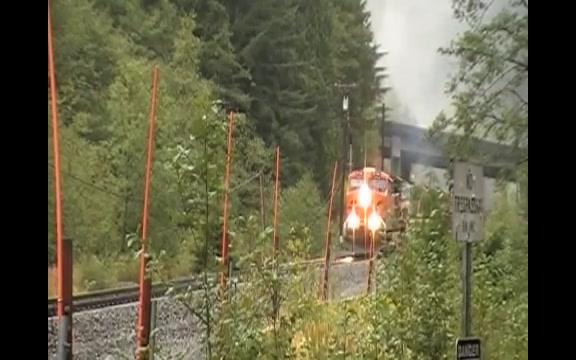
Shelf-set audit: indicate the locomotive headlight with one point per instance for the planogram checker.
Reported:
(365, 196)
(374, 221)
(353, 220)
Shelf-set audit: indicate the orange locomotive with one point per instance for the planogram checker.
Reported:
(369, 203)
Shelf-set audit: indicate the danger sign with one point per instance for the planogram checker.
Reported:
(468, 349)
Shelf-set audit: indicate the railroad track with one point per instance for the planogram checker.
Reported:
(127, 295)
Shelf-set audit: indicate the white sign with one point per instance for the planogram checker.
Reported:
(345, 103)
(468, 203)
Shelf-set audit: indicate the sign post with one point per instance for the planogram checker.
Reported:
(467, 227)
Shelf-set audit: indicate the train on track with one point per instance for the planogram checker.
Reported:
(375, 209)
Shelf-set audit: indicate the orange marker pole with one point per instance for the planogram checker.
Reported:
(328, 237)
(276, 188)
(63, 247)
(143, 328)
(225, 271)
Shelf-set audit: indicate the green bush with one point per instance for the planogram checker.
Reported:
(92, 273)
(301, 207)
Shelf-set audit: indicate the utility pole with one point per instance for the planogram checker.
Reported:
(381, 91)
(382, 127)
(346, 139)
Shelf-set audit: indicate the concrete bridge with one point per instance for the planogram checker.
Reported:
(409, 153)
(406, 145)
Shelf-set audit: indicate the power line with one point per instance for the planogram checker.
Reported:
(247, 181)
(103, 190)
(522, 161)
(87, 183)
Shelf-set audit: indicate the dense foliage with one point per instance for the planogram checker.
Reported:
(413, 312)
(278, 62)
(275, 61)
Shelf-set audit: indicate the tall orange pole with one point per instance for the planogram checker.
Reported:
(328, 238)
(143, 329)
(276, 188)
(225, 271)
(63, 249)
(56, 155)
